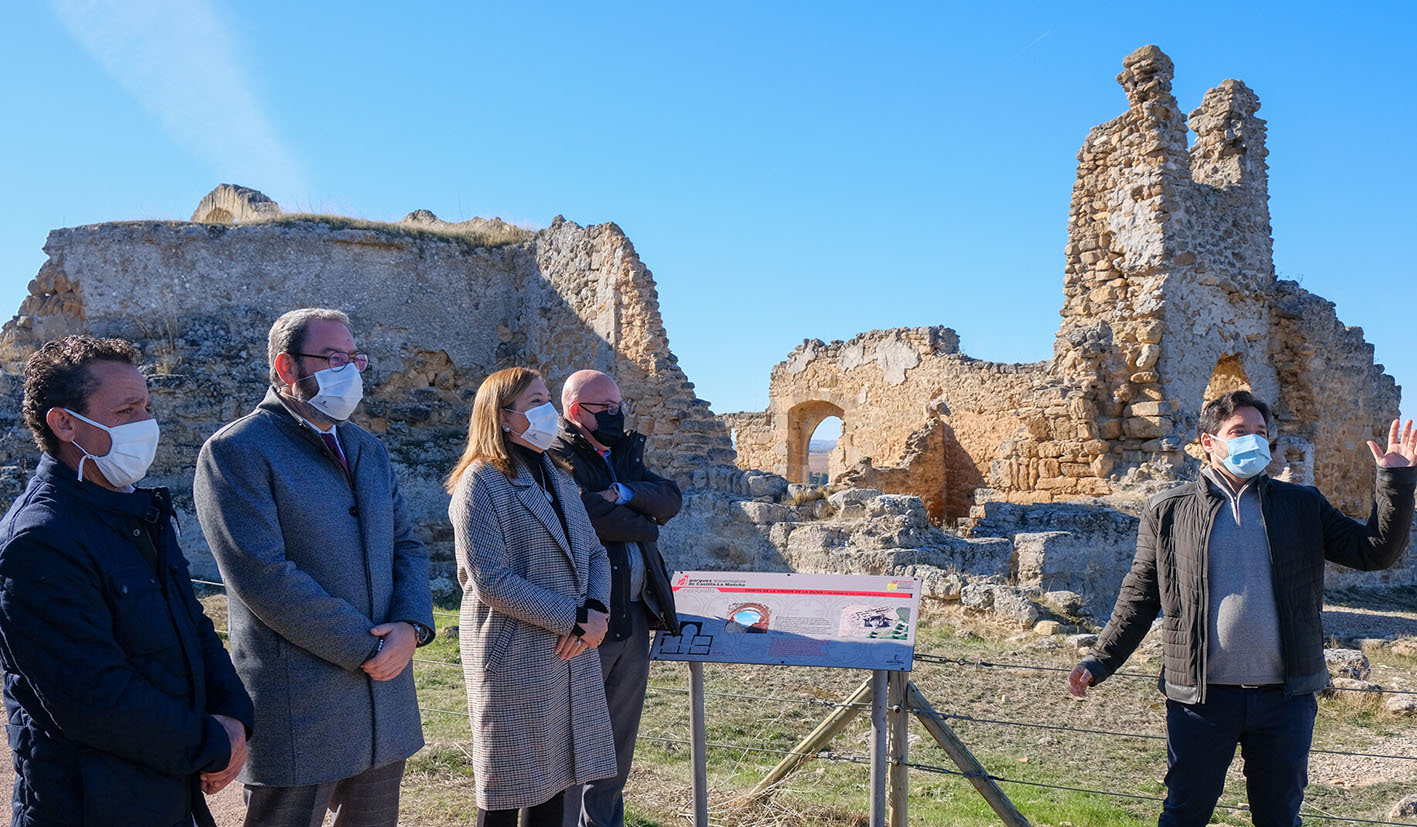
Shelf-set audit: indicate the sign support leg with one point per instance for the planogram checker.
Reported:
(816, 740)
(964, 759)
(878, 747)
(699, 746)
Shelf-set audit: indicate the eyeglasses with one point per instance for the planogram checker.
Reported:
(339, 360)
(612, 408)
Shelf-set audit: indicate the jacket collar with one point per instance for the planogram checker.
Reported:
(536, 503)
(1205, 487)
(148, 504)
(275, 405)
(572, 437)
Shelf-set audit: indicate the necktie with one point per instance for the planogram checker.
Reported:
(333, 445)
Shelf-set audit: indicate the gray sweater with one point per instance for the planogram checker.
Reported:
(312, 560)
(1243, 644)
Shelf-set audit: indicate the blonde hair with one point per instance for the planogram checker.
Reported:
(486, 441)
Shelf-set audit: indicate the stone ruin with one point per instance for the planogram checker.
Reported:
(1171, 297)
(229, 204)
(437, 308)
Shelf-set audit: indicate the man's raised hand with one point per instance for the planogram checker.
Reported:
(1401, 447)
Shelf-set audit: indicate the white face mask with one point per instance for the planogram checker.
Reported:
(131, 454)
(340, 392)
(541, 426)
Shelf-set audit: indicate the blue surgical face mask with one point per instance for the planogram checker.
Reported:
(1248, 455)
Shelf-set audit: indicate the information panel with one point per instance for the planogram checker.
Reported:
(843, 620)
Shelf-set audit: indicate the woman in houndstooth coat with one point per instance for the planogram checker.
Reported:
(536, 584)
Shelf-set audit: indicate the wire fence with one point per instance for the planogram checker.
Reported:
(934, 659)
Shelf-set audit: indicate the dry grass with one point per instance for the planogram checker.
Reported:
(439, 787)
(478, 234)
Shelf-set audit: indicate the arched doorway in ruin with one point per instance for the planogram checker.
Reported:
(1229, 375)
(802, 422)
(821, 445)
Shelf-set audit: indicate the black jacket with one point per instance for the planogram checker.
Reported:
(1169, 575)
(112, 671)
(655, 501)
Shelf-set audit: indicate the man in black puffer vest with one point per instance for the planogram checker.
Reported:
(627, 504)
(1235, 564)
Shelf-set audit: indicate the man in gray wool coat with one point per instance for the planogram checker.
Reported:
(328, 587)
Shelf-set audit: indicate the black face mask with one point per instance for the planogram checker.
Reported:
(609, 428)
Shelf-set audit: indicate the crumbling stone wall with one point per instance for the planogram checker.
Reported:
(1170, 298)
(917, 416)
(436, 313)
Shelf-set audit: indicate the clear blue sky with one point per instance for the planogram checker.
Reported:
(788, 171)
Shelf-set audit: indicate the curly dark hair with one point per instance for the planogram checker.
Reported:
(1223, 407)
(57, 376)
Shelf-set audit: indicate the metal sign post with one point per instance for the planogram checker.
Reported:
(698, 747)
(878, 748)
(899, 798)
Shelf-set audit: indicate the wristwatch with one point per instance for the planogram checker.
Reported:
(423, 635)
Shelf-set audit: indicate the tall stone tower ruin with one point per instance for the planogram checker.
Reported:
(1170, 299)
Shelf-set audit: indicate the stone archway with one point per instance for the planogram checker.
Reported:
(1229, 375)
(802, 421)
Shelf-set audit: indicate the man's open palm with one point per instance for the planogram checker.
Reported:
(1401, 447)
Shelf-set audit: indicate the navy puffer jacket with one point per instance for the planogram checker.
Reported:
(112, 671)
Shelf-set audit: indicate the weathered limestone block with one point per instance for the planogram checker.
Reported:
(230, 204)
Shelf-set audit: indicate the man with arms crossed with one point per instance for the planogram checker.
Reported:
(1235, 563)
(328, 587)
(627, 504)
(123, 706)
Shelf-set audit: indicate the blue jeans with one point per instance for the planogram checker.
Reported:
(1274, 733)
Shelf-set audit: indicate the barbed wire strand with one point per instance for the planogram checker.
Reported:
(980, 662)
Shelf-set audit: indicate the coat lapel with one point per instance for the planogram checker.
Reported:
(535, 501)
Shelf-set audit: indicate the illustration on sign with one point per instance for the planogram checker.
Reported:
(850, 621)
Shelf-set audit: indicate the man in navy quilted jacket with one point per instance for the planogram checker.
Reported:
(122, 703)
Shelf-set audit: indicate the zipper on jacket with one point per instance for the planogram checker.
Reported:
(1273, 572)
(1205, 588)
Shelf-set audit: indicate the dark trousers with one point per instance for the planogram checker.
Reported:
(370, 799)
(546, 814)
(1273, 732)
(624, 664)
